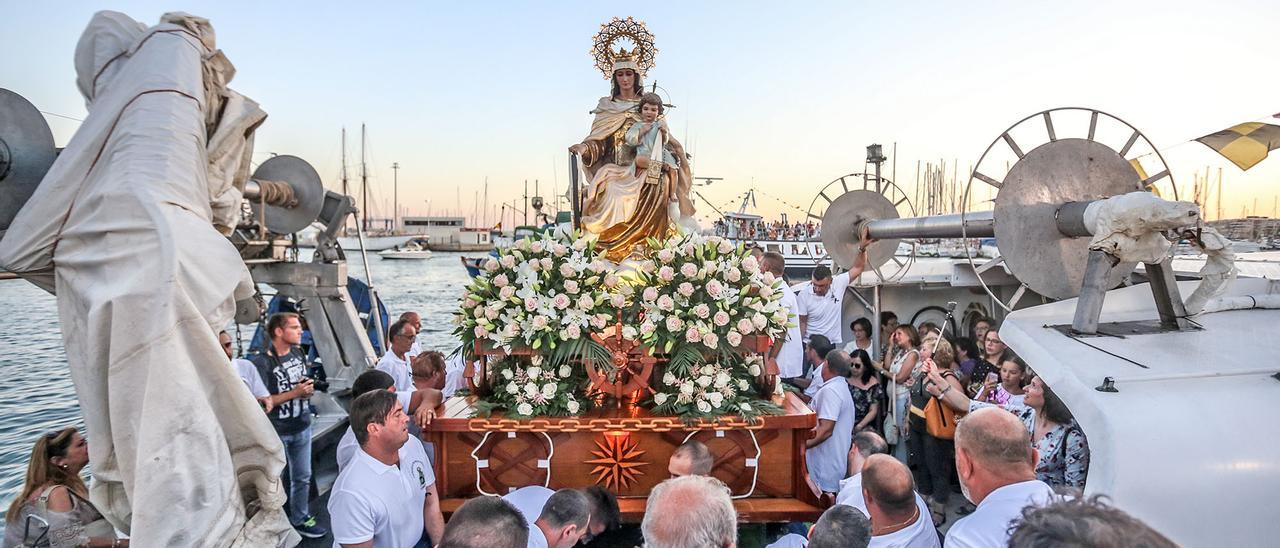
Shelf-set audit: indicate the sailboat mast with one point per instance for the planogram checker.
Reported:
(364, 185)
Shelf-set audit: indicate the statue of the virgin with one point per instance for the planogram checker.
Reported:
(622, 204)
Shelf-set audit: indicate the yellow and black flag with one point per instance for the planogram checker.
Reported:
(1244, 144)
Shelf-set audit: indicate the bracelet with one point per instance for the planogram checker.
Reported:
(945, 389)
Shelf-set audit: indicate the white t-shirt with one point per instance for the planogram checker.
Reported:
(824, 312)
(398, 369)
(347, 446)
(829, 460)
(988, 525)
(529, 501)
(791, 357)
(815, 380)
(790, 540)
(453, 379)
(372, 500)
(249, 374)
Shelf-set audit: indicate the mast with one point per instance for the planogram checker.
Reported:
(364, 185)
(395, 196)
(345, 191)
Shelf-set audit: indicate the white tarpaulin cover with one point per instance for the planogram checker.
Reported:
(1129, 226)
(123, 230)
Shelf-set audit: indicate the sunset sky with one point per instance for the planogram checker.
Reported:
(781, 96)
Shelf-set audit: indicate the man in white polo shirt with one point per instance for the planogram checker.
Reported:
(420, 404)
(821, 302)
(401, 336)
(386, 495)
(865, 444)
(788, 353)
(556, 519)
(899, 516)
(827, 452)
(996, 464)
(247, 373)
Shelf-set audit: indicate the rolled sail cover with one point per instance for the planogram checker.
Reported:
(122, 230)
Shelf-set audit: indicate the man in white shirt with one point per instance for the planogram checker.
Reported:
(899, 516)
(386, 495)
(821, 302)
(414, 319)
(529, 501)
(421, 404)
(788, 354)
(401, 336)
(562, 522)
(690, 511)
(827, 452)
(865, 444)
(816, 353)
(247, 373)
(996, 465)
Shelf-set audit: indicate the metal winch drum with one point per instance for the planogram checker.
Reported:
(1038, 214)
(285, 192)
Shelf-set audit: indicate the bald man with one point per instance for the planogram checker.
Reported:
(996, 464)
(899, 516)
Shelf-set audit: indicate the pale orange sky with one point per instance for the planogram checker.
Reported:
(783, 96)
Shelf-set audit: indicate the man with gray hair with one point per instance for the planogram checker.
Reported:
(692, 458)
(865, 444)
(486, 522)
(841, 527)
(996, 464)
(690, 511)
(1083, 522)
(827, 452)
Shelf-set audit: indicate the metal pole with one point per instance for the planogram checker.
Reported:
(395, 196)
(875, 323)
(976, 225)
(1093, 291)
(375, 313)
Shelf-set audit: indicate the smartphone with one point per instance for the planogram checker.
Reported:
(993, 377)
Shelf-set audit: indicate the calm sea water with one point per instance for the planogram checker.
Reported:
(36, 394)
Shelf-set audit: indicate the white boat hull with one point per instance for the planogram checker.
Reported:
(373, 243)
(404, 255)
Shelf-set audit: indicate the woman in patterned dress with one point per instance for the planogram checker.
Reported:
(1061, 444)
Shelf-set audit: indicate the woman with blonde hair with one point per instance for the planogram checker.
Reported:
(932, 457)
(53, 509)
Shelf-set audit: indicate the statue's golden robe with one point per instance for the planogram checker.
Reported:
(618, 204)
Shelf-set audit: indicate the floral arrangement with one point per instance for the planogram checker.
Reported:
(539, 300)
(702, 297)
(695, 299)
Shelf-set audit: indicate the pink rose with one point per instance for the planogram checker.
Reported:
(650, 293)
(500, 280)
(745, 326)
(666, 303)
(689, 270)
(710, 340)
(685, 289)
(721, 318)
(674, 324)
(666, 274)
(693, 335)
(714, 288)
(561, 301)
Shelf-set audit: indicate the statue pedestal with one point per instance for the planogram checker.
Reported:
(625, 450)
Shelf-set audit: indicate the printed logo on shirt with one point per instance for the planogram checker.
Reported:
(421, 472)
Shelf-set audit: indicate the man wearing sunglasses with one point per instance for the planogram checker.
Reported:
(247, 372)
(400, 337)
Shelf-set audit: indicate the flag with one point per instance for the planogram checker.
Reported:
(1244, 144)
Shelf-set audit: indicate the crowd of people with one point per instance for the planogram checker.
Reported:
(762, 230)
(907, 421)
(889, 449)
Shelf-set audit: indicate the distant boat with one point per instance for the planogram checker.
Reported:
(410, 250)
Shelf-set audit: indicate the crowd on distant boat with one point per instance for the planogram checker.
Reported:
(887, 452)
(745, 229)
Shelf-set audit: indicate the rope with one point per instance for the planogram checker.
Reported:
(276, 193)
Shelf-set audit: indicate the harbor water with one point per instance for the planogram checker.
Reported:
(36, 393)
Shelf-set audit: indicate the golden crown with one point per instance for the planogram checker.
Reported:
(639, 58)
